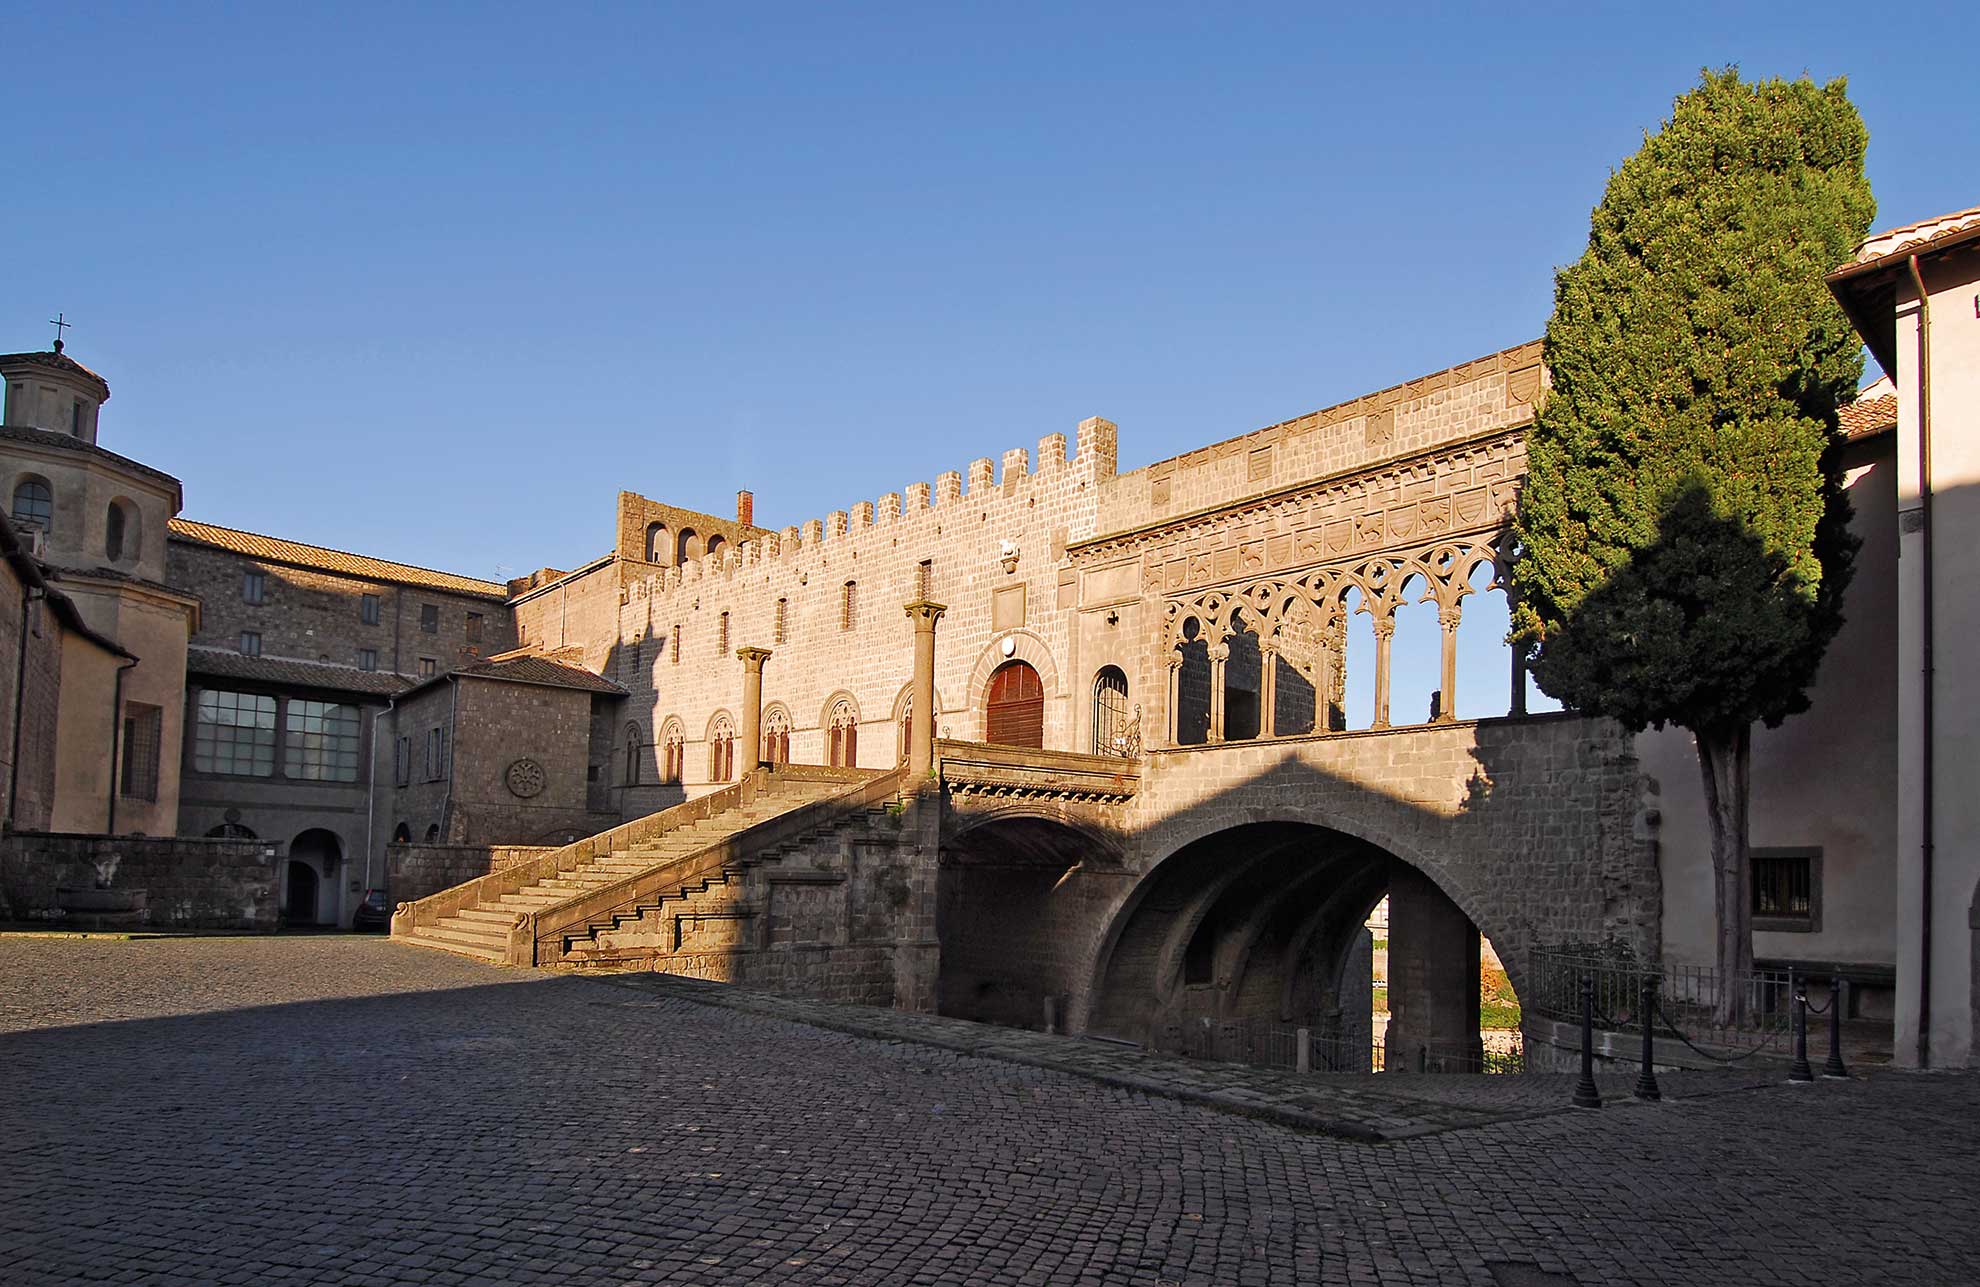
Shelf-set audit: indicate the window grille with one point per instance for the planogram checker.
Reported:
(1787, 889)
(234, 733)
(320, 742)
(142, 727)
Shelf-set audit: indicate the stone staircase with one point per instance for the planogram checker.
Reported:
(512, 916)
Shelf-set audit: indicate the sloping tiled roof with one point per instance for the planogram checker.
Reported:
(541, 670)
(283, 670)
(295, 553)
(1911, 239)
(57, 362)
(527, 668)
(1868, 417)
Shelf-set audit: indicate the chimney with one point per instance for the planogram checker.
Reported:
(745, 509)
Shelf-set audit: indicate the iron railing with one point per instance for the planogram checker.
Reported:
(1267, 1044)
(1717, 1014)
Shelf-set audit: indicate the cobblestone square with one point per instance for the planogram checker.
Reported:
(352, 1111)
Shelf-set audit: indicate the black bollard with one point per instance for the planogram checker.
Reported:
(1646, 1081)
(1585, 1093)
(1799, 1070)
(1834, 1068)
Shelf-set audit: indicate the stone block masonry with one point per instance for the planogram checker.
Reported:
(190, 884)
(414, 871)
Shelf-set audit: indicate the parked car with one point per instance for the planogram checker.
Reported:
(374, 914)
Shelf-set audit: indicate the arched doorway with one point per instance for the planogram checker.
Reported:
(1014, 710)
(1242, 937)
(315, 875)
(1115, 729)
(300, 906)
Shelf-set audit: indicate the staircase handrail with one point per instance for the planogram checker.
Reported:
(408, 917)
(548, 924)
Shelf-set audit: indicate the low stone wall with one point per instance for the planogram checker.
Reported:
(188, 883)
(414, 871)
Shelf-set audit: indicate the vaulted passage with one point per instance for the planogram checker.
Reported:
(1245, 935)
(1012, 914)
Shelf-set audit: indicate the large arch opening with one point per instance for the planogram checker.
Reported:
(1241, 938)
(313, 877)
(1011, 915)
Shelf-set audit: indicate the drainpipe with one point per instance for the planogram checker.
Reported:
(371, 792)
(116, 736)
(1925, 662)
(29, 593)
(447, 759)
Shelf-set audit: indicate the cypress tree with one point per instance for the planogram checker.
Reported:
(1682, 541)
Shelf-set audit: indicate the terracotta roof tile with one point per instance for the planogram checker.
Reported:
(529, 668)
(1868, 417)
(283, 670)
(63, 442)
(1911, 238)
(295, 553)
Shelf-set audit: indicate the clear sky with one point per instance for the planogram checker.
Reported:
(434, 282)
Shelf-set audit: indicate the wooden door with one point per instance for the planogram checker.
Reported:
(1016, 709)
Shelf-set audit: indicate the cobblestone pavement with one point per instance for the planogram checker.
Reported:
(337, 1110)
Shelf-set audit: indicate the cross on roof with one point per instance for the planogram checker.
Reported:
(61, 323)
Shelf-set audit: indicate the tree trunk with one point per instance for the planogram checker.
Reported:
(1726, 760)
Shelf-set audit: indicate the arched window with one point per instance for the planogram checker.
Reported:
(231, 831)
(402, 834)
(659, 543)
(687, 546)
(433, 833)
(673, 752)
(842, 735)
(1015, 714)
(721, 749)
(113, 532)
(715, 544)
(34, 504)
(1114, 726)
(633, 749)
(777, 736)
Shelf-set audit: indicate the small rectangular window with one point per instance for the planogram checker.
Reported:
(924, 578)
(783, 622)
(250, 643)
(142, 726)
(367, 659)
(368, 609)
(722, 637)
(428, 667)
(1787, 890)
(76, 431)
(436, 754)
(254, 588)
(675, 652)
(849, 607)
(402, 762)
(474, 627)
(429, 618)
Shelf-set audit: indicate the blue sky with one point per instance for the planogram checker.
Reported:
(434, 282)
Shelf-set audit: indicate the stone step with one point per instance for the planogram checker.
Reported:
(476, 932)
(484, 916)
(422, 939)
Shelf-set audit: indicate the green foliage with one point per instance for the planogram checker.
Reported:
(1682, 534)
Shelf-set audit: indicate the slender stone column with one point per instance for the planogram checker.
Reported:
(1447, 680)
(1219, 654)
(1385, 633)
(921, 731)
(1175, 697)
(1518, 706)
(1268, 688)
(751, 732)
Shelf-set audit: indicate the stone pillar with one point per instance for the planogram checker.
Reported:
(921, 731)
(1385, 633)
(1447, 678)
(1433, 977)
(1219, 654)
(751, 732)
(1268, 689)
(1175, 698)
(1518, 706)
